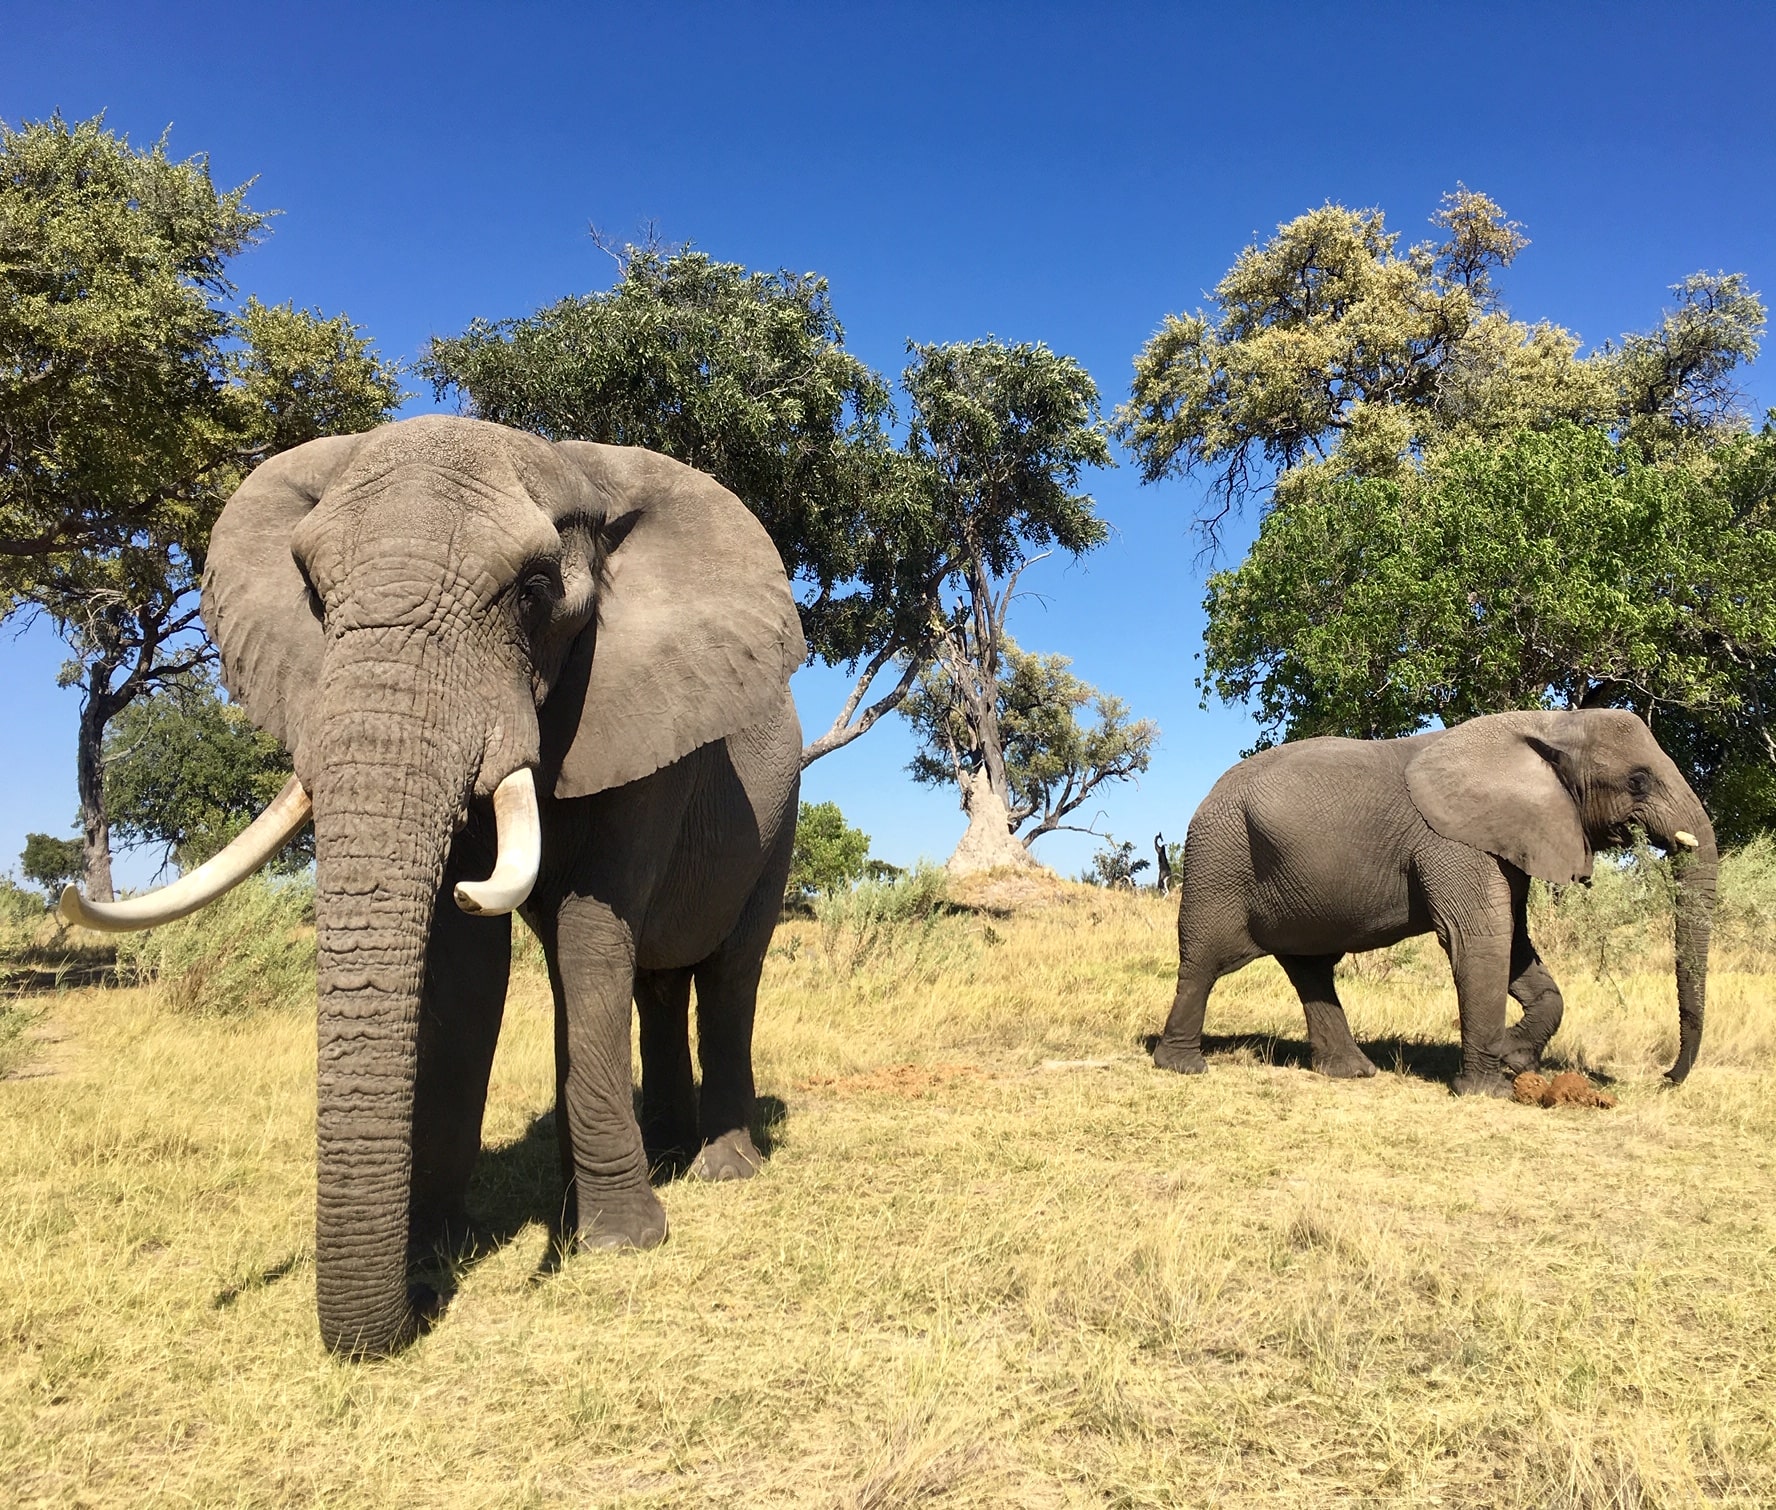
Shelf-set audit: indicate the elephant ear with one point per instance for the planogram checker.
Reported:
(1495, 783)
(255, 601)
(696, 635)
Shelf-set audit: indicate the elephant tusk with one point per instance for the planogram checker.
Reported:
(520, 850)
(245, 853)
(1686, 838)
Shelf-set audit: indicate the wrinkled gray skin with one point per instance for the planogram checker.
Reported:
(417, 612)
(1313, 850)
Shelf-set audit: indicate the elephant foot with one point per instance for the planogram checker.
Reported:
(1517, 1058)
(630, 1222)
(1350, 1064)
(1181, 1061)
(733, 1156)
(1482, 1085)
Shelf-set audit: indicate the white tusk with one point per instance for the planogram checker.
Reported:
(520, 850)
(1687, 839)
(246, 852)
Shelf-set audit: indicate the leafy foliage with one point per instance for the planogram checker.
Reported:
(1114, 864)
(188, 771)
(1331, 351)
(134, 395)
(829, 854)
(51, 863)
(1556, 569)
(1052, 761)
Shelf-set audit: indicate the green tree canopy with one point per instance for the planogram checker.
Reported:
(51, 863)
(1558, 568)
(829, 854)
(1053, 762)
(187, 771)
(1332, 350)
(134, 395)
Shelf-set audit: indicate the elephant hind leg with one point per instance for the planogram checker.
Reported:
(1179, 1048)
(1335, 1052)
(668, 1085)
(727, 1000)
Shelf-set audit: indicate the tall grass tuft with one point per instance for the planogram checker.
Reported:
(252, 950)
(895, 928)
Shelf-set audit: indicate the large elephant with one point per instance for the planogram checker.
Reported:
(1316, 849)
(426, 615)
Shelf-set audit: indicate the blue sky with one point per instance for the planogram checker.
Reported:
(1041, 172)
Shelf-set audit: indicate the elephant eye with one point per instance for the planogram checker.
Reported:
(1639, 783)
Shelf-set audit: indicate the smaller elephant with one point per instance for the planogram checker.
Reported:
(1324, 847)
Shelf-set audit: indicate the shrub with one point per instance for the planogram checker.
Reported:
(891, 925)
(1114, 865)
(249, 951)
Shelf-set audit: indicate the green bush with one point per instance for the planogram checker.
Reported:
(249, 951)
(895, 926)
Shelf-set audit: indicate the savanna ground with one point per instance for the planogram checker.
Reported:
(995, 1257)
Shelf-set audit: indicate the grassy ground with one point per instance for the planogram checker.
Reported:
(995, 1257)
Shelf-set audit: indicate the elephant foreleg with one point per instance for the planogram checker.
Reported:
(1536, 992)
(668, 1085)
(1482, 966)
(1335, 1052)
(609, 1202)
(468, 960)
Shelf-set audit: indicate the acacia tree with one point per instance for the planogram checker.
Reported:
(1052, 762)
(1331, 352)
(745, 376)
(134, 395)
(999, 434)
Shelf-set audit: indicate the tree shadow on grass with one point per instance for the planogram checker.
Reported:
(1438, 1063)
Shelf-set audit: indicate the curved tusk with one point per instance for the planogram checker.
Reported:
(245, 853)
(520, 850)
(1687, 839)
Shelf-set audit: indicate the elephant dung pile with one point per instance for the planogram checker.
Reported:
(1568, 1088)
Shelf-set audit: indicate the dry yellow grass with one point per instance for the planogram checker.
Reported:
(1030, 1271)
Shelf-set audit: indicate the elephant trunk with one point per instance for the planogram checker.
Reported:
(1691, 844)
(389, 790)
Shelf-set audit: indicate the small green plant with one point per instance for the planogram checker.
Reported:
(249, 951)
(829, 857)
(1114, 865)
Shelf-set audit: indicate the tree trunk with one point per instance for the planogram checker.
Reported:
(89, 776)
(989, 843)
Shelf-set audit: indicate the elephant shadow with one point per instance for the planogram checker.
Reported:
(1436, 1062)
(519, 1185)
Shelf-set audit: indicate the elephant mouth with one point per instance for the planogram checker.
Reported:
(515, 866)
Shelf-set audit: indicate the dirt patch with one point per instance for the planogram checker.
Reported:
(1568, 1088)
(907, 1081)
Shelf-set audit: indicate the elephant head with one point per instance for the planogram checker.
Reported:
(1543, 790)
(426, 615)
